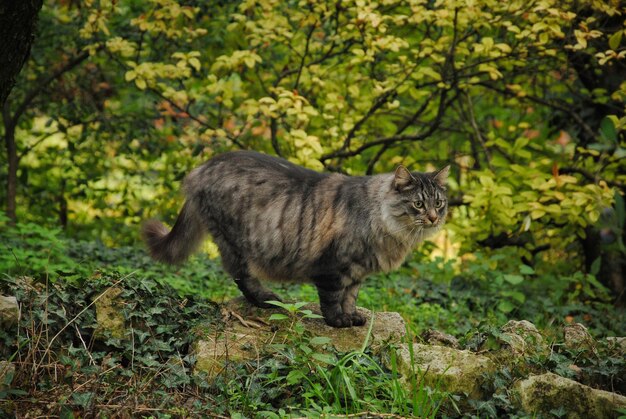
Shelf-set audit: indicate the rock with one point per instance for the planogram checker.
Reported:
(435, 337)
(522, 337)
(236, 343)
(7, 371)
(577, 337)
(248, 333)
(541, 394)
(618, 343)
(9, 311)
(109, 314)
(453, 370)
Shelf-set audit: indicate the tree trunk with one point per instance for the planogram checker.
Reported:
(17, 28)
(11, 147)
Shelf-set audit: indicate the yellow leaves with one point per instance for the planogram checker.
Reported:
(510, 199)
(608, 55)
(619, 123)
(187, 59)
(583, 35)
(307, 149)
(123, 47)
(424, 71)
(505, 48)
(487, 42)
(302, 140)
(170, 19)
(147, 74)
(494, 73)
(581, 38)
(290, 107)
(362, 56)
(97, 21)
(236, 60)
(369, 17)
(389, 43)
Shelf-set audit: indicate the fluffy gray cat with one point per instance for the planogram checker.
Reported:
(274, 220)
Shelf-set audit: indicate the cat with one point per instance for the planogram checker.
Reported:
(274, 220)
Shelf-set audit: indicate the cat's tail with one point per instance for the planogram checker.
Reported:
(177, 245)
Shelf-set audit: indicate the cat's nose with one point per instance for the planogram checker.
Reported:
(433, 217)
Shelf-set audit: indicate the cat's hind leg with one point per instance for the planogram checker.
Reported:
(255, 292)
(249, 286)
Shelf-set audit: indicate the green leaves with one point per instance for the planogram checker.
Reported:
(513, 279)
(615, 39)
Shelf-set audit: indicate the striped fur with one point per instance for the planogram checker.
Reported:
(273, 220)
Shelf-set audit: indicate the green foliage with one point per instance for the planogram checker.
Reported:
(359, 87)
(143, 92)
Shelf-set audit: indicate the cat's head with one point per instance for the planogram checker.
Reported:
(419, 201)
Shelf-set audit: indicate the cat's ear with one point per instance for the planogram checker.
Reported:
(441, 176)
(403, 179)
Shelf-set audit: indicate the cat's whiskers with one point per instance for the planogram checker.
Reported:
(409, 238)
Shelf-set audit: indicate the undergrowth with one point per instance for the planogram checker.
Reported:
(69, 366)
(66, 362)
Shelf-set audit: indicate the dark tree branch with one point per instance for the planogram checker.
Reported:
(432, 127)
(306, 52)
(43, 84)
(376, 158)
(380, 101)
(560, 107)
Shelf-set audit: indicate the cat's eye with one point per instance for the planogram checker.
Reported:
(439, 203)
(418, 204)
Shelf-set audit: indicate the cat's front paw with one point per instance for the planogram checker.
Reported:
(340, 320)
(358, 319)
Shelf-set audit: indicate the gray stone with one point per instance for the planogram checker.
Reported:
(576, 336)
(435, 337)
(522, 337)
(540, 394)
(618, 343)
(449, 369)
(7, 371)
(9, 311)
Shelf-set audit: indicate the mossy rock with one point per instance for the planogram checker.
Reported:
(109, 314)
(546, 393)
(443, 368)
(249, 332)
(9, 311)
